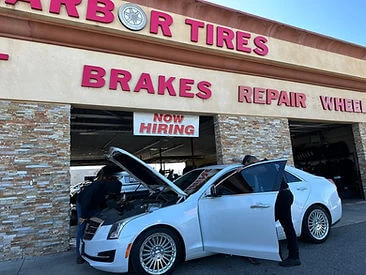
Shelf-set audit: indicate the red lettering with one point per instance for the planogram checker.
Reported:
(168, 118)
(166, 84)
(342, 104)
(189, 130)
(242, 41)
(178, 129)
(204, 90)
(4, 56)
(259, 96)
(178, 118)
(262, 48)
(283, 99)
(162, 20)
(70, 5)
(121, 77)
(162, 128)
(348, 104)
(363, 107)
(34, 4)
(93, 76)
(338, 104)
(266, 96)
(185, 86)
(327, 103)
(195, 25)
(210, 34)
(145, 82)
(357, 106)
(245, 93)
(100, 11)
(158, 117)
(272, 94)
(145, 128)
(300, 100)
(225, 35)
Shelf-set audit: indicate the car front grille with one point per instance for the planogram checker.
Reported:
(91, 227)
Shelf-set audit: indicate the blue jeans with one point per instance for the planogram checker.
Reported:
(80, 231)
(81, 227)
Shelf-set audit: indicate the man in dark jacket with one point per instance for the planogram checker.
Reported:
(91, 200)
(284, 200)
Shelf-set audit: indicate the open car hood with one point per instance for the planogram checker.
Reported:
(151, 178)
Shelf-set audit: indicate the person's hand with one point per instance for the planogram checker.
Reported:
(81, 220)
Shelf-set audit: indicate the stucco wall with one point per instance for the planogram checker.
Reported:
(237, 136)
(34, 178)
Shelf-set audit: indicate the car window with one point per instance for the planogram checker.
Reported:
(193, 180)
(264, 177)
(290, 177)
(233, 185)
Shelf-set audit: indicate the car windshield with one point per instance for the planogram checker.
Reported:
(193, 180)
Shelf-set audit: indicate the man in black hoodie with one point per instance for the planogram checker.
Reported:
(284, 200)
(91, 200)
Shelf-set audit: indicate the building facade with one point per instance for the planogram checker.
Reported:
(257, 78)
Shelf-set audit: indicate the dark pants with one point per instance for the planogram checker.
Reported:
(81, 227)
(80, 231)
(283, 213)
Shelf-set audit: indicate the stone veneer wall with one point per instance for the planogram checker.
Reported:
(359, 134)
(237, 136)
(34, 178)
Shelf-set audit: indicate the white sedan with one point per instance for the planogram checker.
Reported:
(214, 209)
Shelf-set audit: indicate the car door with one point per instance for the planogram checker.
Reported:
(301, 191)
(239, 218)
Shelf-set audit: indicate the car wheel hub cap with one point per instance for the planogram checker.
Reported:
(318, 224)
(157, 253)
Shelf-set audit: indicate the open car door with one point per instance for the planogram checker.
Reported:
(237, 214)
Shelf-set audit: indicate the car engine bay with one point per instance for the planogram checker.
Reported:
(120, 208)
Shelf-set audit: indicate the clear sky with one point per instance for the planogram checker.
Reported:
(341, 19)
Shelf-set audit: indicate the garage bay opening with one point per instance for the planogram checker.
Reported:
(328, 150)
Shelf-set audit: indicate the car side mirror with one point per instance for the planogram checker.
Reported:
(213, 192)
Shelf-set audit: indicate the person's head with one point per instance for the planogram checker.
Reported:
(249, 159)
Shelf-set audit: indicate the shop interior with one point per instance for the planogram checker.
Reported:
(324, 149)
(327, 150)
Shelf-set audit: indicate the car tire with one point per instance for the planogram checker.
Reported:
(316, 224)
(156, 251)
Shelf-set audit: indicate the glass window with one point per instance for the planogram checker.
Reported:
(193, 180)
(264, 177)
(233, 185)
(290, 177)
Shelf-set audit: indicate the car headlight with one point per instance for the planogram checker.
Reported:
(116, 230)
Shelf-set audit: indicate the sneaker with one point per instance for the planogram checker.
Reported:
(80, 260)
(290, 262)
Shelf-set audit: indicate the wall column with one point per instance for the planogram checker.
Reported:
(237, 136)
(34, 178)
